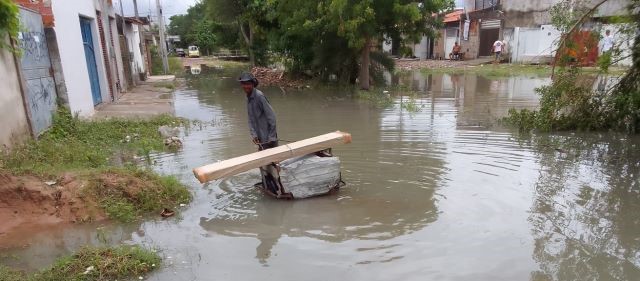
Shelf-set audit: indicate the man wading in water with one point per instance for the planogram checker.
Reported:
(262, 119)
(262, 125)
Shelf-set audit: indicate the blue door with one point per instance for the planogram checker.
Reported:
(90, 56)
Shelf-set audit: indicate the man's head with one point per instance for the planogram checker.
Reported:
(248, 82)
(607, 32)
(456, 43)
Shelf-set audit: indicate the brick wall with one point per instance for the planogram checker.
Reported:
(105, 54)
(41, 6)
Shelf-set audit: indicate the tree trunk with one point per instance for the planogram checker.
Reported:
(248, 39)
(364, 65)
(252, 55)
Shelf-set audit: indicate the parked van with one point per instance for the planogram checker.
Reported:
(194, 52)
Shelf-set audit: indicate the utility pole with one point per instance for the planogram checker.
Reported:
(163, 42)
(135, 8)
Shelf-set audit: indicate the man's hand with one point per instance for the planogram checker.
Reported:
(256, 141)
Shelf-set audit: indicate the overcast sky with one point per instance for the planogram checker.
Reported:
(170, 7)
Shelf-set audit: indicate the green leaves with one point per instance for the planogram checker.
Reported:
(9, 22)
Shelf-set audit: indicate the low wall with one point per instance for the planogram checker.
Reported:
(15, 128)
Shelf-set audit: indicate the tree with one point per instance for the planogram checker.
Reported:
(202, 35)
(570, 102)
(197, 27)
(363, 22)
(249, 15)
(348, 29)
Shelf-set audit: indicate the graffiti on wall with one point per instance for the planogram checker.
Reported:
(34, 47)
(40, 92)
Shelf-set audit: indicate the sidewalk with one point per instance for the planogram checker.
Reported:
(151, 98)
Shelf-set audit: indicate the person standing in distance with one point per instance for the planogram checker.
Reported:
(607, 42)
(497, 49)
(262, 118)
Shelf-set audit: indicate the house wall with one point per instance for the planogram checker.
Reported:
(116, 54)
(138, 54)
(133, 44)
(69, 37)
(609, 8)
(421, 50)
(110, 50)
(15, 126)
(438, 46)
(470, 47)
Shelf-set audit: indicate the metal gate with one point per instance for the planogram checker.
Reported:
(90, 57)
(40, 92)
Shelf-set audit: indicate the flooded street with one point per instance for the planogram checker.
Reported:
(434, 192)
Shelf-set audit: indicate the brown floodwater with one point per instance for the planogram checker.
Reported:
(434, 192)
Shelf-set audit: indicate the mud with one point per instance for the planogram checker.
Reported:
(27, 201)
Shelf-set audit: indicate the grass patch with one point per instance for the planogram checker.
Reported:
(8, 274)
(376, 98)
(490, 70)
(103, 155)
(411, 105)
(126, 195)
(506, 70)
(211, 61)
(72, 144)
(94, 263)
(168, 85)
(175, 65)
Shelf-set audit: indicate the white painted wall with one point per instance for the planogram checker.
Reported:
(67, 15)
(533, 44)
(12, 113)
(129, 38)
(421, 49)
(137, 52)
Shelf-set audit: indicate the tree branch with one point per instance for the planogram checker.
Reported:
(571, 31)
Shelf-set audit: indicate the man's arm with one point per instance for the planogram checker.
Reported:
(252, 130)
(270, 115)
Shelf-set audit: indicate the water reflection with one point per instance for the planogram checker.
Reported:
(480, 99)
(434, 193)
(585, 212)
(389, 191)
(43, 245)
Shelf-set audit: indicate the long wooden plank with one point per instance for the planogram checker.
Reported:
(254, 160)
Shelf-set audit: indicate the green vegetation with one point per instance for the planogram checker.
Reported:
(103, 154)
(127, 194)
(8, 274)
(571, 102)
(376, 98)
(73, 144)
(490, 70)
(168, 85)
(328, 38)
(9, 22)
(95, 264)
(506, 70)
(196, 28)
(175, 63)
(411, 105)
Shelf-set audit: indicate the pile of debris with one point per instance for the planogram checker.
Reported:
(274, 77)
(170, 135)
